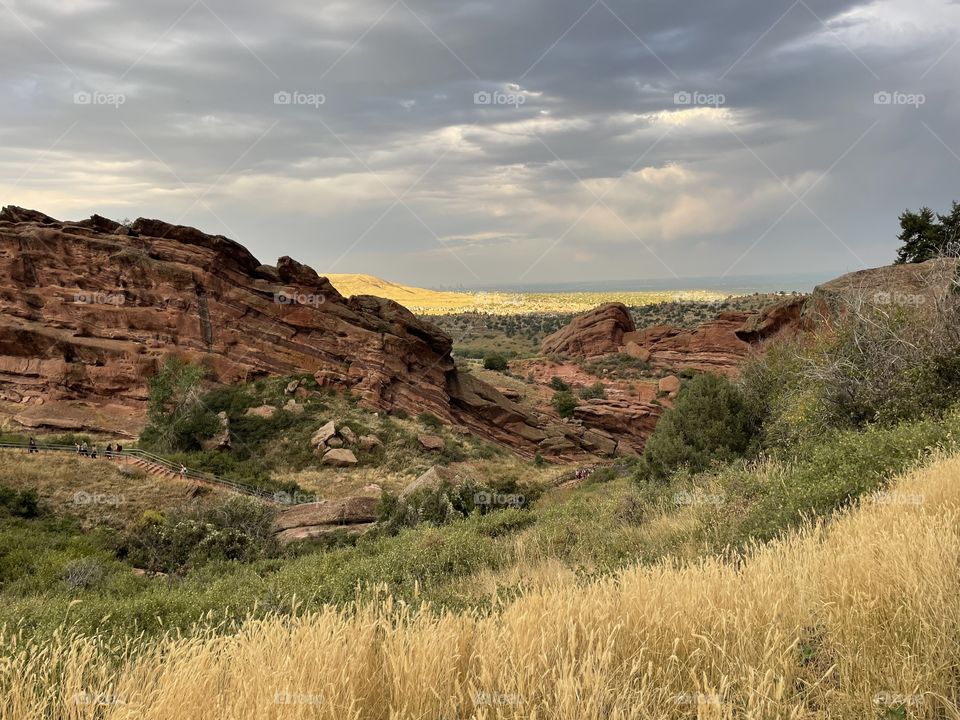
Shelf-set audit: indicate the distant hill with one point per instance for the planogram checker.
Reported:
(411, 297)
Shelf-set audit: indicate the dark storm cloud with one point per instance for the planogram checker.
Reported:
(440, 142)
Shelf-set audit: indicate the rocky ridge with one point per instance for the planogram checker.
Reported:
(89, 309)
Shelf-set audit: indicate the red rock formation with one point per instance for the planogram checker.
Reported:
(714, 346)
(598, 332)
(630, 421)
(89, 309)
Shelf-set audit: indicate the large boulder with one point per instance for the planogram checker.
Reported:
(262, 411)
(322, 435)
(311, 520)
(432, 479)
(434, 443)
(339, 457)
(598, 332)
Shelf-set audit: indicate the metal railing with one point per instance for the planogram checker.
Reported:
(157, 461)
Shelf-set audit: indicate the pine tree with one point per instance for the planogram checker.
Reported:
(921, 236)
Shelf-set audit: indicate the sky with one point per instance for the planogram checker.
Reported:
(481, 143)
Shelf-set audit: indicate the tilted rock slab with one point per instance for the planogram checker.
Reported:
(89, 310)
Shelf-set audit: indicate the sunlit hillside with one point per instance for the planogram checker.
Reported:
(435, 302)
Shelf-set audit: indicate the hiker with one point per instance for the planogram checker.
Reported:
(119, 448)
(83, 449)
(183, 471)
(77, 445)
(108, 452)
(93, 452)
(32, 446)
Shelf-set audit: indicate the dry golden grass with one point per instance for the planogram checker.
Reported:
(858, 619)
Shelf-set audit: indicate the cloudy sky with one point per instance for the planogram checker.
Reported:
(492, 142)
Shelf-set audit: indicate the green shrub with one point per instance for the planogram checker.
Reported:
(559, 385)
(817, 477)
(710, 422)
(595, 391)
(20, 503)
(495, 361)
(239, 529)
(564, 403)
(430, 420)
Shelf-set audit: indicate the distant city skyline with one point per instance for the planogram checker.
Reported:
(483, 144)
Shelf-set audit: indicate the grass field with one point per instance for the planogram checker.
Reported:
(855, 619)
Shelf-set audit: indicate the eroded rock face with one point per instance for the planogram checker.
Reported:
(598, 332)
(90, 309)
(630, 421)
(713, 347)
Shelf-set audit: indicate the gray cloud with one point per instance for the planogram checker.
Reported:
(588, 168)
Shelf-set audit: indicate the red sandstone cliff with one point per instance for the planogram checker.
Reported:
(89, 309)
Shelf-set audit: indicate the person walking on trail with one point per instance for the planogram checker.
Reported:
(108, 452)
(83, 449)
(119, 448)
(77, 445)
(32, 446)
(93, 452)
(183, 471)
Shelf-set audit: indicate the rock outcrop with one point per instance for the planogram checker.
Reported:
(312, 520)
(598, 332)
(90, 309)
(630, 421)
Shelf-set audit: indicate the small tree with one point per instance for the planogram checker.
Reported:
(177, 418)
(564, 402)
(711, 421)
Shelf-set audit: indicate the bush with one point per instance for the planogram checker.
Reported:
(711, 421)
(430, 420)
(597, 391)
(874, 362)
(240, 529)
(495, 361)
(817, 477)
(564, 403)
(22, 503)
(559, 385)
